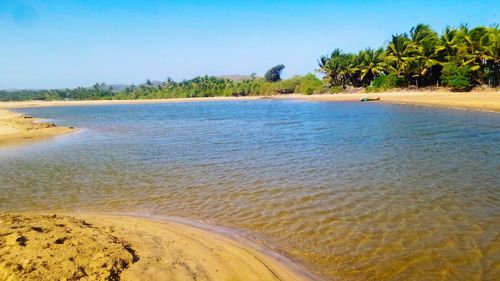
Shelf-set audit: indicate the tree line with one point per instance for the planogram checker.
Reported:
(459, 58)
(202, 86)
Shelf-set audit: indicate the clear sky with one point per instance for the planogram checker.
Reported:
(68, 43)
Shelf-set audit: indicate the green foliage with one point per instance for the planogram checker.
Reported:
(309, 84)
(399, 48)
(418, 58)
(387, 82)
(336, 90)
(98, 91)
(274, 74)
(204, 86)
(457, 77)
(287, 86)
(340, 68)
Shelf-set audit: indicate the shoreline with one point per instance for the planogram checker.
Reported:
(17, 128)
(144, 248)
(487, 100)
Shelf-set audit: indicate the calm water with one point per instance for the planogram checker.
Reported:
(354, 191)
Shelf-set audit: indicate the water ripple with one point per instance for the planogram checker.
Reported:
(356, 192)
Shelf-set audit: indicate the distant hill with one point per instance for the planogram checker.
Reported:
(235, 77)
(121, 87)
(118, 87)
(155, 82)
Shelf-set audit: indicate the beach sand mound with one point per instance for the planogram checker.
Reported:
(22, 122)
(18, 128)
(93, 247)
(43, 247)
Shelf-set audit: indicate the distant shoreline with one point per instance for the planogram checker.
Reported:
(14, 129)
(487, 100)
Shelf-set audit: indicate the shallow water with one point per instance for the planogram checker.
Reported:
(354, 191)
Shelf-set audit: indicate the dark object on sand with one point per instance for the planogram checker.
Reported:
(369, 99)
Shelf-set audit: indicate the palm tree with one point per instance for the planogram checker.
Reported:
(331, 66)
(424, 60)
(372, 63)
(447, 48)
(422, 32)
(350, 69)
(493, 51)
(398, 52)
(473, 49)
(419, 57)
(424, 53)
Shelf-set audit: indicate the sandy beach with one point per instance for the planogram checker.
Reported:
(24, 104)
(109, 247)
(488, 100)
(485, 100)
(17, 128)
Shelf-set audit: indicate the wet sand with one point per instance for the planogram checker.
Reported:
(100, 247)
(17, 128)
(486, 100)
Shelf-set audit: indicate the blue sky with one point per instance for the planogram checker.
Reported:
(64, 43)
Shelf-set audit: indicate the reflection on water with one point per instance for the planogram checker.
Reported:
(355, 191)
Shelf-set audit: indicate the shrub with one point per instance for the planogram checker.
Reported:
(386, 82)
(309, 84)
(336, 89)
(264, 88)
(457, 77)
(288, 86)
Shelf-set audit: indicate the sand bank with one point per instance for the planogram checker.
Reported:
(17, 128)
(479, 100)
(24, 104)
(487, 100)
(99, 247)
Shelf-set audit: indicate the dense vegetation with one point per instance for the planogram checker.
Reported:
(459, 58)
(98, 91)
(205, 86)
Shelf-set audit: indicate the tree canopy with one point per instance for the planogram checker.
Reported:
(202, 86)
(274, 74)
(417, 58)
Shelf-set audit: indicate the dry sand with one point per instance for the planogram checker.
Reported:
(106, 247)
(24, 104)
(57, 247)
(486, 100)
(17, 128)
